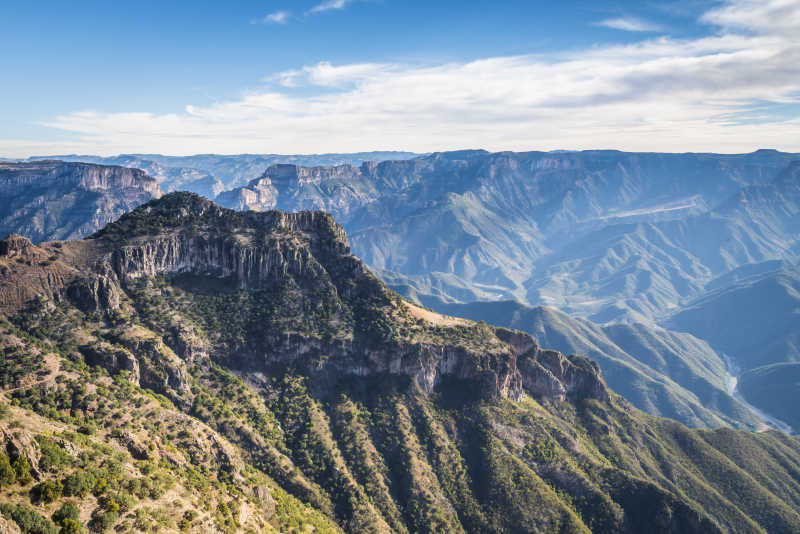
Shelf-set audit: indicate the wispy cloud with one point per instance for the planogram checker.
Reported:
(629, 24)
(329, 5)
(657, 94)
(278, 17)
(758, 16)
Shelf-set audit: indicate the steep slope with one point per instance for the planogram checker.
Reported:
(755, 319)
(280, 365)
(57, 200)
(774, 389)
(753, 316)
(661, 372)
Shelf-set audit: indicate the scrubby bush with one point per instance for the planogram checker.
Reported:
(102, 521)
(71, 526)
(53, 456)
(79, 484)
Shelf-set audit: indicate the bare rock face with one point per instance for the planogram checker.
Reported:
(137, 449)
(338, 189)
(13, 245)
(22, 443)
(114, 359)
(98, 293)
(264, 497)
(308, 250)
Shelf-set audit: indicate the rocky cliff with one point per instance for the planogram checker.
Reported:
(58, 200)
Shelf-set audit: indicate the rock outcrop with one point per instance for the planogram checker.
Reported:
(14, 245)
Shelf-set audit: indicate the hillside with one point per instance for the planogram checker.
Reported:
(774, 389)
(198, 369)
(753, 318)
(57, 200)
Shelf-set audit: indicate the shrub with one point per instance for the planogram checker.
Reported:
(71, 526)
(53, 456)
(88, 429)
(79, 484)
(103, 521)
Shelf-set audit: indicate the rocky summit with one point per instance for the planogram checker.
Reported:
(196, 369)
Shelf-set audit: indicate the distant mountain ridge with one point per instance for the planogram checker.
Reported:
(210, 174)
(47, 200)
(602, 234)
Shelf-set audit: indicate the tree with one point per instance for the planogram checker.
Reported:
(47, 491)
(7, 474)
(22, 467)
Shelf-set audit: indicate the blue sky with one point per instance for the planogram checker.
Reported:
(338, 75)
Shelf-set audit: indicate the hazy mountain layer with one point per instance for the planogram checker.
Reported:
(210, 174)
(229, 360)
(57, 200)
(602, 234)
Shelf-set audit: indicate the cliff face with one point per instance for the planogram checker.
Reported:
(58, 200)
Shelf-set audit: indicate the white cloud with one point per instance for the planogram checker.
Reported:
(278, 17)
(659, 94)
(329, 5)
(325, 74)
(629, 24)
(759, 16)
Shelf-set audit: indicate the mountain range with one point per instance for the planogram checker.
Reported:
(56, 200)
(197, 369)
(605, 236)
(599, 234)
(210, 174)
